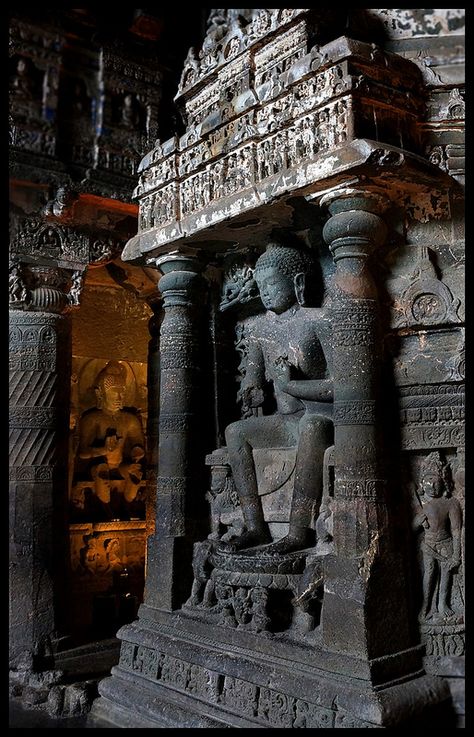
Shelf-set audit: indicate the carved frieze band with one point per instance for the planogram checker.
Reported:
(266, 580)
(175, 422)
(247, 166)
(354, 412)
(33, 417)
(176, 342)
(44, 238)
(425, 415)
(36, 141)
(371, 489)
(177, 360)
(432, 416)
(33, 319)
(41, 358)
(31, 473)
(357, 316)
(416, 437)
(27, 332)
(354, 326)
(408, 393)
(353, 337)
(266, 706)
(450, 642)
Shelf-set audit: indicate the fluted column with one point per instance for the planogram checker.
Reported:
(170, 547)
(40, 367)
(364, 610)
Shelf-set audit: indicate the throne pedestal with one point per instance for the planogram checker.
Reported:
(246, 649)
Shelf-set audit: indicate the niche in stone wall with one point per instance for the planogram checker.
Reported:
(107, 456)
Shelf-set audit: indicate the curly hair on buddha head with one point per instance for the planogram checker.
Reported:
(113, 374)
(288, 259)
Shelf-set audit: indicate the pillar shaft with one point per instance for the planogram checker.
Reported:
(179, 372)
(364, 589)
(40, 366)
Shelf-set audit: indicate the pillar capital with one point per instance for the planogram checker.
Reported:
(41, 287)
(340, 199)
(355, 227)
(181, 278)
(178, 261)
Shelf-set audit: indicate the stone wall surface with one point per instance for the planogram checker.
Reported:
(306, 226)
(312, 214)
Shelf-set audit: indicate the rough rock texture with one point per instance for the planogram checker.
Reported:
(308, 229)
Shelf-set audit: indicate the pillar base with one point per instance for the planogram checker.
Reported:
(173, 673)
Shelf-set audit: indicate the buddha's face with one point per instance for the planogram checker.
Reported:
(432, 485)
(277, 290)
(113, 398)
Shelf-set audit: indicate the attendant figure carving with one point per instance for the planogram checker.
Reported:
(129, 114)
(440, 518)
(22, 83)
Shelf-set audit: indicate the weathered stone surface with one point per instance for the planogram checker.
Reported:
(307, 227)
(348, 345)
(82, 113)
(39, 353)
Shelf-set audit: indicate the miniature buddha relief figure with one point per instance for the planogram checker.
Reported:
(112, 554)
(130, 117)
(287, 347)
(17, 289)
(440, 518)
(92, 556)
(80, 103)
(112, 443)
(22, 83)
(76, 108)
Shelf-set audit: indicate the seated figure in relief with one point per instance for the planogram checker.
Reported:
(112, 442)
(288, 345)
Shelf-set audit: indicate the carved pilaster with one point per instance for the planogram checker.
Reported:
(179, 371)
(364, 561)
(39, 428)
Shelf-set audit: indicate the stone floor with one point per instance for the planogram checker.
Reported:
(92, 660)
(20, 718)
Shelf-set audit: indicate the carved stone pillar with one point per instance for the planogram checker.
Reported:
(153, 383)
(364, 610)
(165, 588)
(40, 366)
